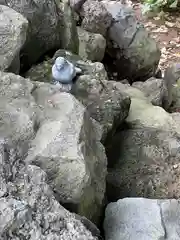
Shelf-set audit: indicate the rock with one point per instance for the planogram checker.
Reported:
(17, 124)
(106, 104)
(144, 163)
(171, 80)
(67, 147)
(45, 27)
(142, 219)
(42, 71)
(154, 89)
(92, 46)
(143, 114)
(176, 117)
(32, 212)
(17, 108)
(96, 18)
(134, 53)
(13, 30)
(69, 35)
(76, 4)
(41, 125)
(143, 158)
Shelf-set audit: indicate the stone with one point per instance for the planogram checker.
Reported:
(142, 219)
(106, 104)
(96, 18)
(134, 53)
(172, 82)
(154, 89)
(13, 28)
(45, 25)
(143, 158)
(69, 34)
(32, 212)
(91, 45)
(67, 147)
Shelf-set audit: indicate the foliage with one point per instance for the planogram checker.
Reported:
(158, 5)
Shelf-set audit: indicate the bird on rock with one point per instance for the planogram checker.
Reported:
(63, 71)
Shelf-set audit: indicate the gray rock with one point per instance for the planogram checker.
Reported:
(135, 54)
(42, 71)
(45, 27)
(143, 114)
(144, 163)
(13, 30)
(96, 18)
(106, 104)
(91, 46)
(32, 212)
(154, 89)
(143, 159)
(69, 35)
(142, 219)
(76, 4)
(67, 147)
(17, 108)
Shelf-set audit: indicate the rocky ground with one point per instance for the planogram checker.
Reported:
(99, 159)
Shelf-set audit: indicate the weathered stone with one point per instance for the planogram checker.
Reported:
(67, 147)
(142, 219)
(96, 18)
(135, 54)
(32, 212)
(106, 104)
(45, 25)
(69, 35)
(92, 46)
(154, 89)
(13, 28)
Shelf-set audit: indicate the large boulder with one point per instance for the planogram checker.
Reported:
(142, 219)
(69, 34)
(30, 211)
(17, 124)
(133, 52)
(51, 25)
(143, 158)
(67, 147)
(91, 45)
(106, 103)
(13, 28)
(53, 130)
(95, 17)
(154, 89)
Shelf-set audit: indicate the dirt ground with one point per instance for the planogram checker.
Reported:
(165, 29)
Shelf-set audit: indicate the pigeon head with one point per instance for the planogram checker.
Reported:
(60, 63)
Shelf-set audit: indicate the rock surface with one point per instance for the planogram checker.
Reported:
(91, 46)
(30, 211)
(53, 130)
(68, 152)
(13, 28)
(106, 103)
(134, 53)
(96, 18)
(143, 159)
(142, 219)
(45, 26)
(154, 89)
